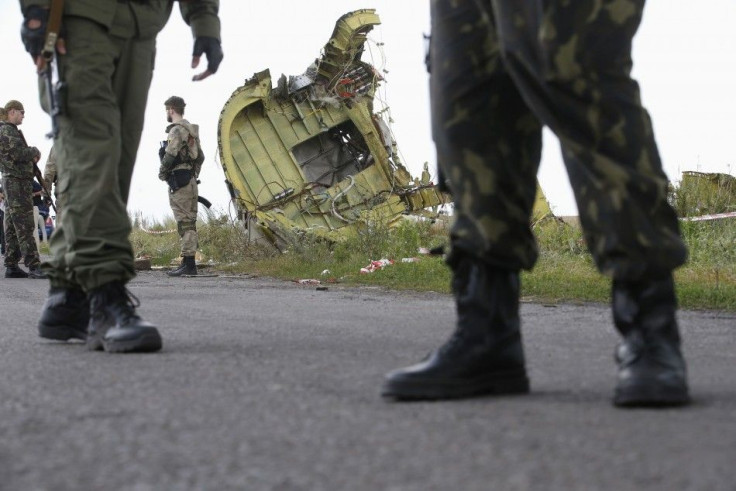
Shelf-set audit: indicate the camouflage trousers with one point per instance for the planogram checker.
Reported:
(501, 70)
(19, 225)
(183, 203)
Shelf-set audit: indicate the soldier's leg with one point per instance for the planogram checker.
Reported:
(21, 228)
(107, 79)
(91, 246)
(488, 147)
(572, 62)
(12, 248)
(25, 225)
(184, 205)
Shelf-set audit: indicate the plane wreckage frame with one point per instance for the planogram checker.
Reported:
(311, 155)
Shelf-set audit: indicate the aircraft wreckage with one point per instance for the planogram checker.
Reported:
(311, 155)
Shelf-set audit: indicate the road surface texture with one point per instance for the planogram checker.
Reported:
(270, 385)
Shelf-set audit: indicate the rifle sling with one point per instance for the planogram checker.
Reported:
(53, 28)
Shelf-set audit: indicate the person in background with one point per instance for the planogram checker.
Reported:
(179, 169)
(16, 165)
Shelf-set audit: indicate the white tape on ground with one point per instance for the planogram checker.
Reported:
(716, 216)
(157, 232)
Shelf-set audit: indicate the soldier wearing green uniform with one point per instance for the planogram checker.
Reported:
(180, 170)
(500, 70)
(105, 60)
(16, 165)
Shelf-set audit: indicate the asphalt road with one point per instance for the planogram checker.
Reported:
(270, 385)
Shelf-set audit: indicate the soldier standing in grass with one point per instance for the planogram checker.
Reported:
(179, 168)
(500, 70)
(16, 165)
(105, 57)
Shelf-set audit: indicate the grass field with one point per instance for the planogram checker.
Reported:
(564, 272)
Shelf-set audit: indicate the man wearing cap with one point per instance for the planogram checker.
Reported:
(16, 164)
(105, 54)
(179, 170)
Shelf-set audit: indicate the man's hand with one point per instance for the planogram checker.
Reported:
(211, 47)
(33, 30)
(33, 34)
(167, 163)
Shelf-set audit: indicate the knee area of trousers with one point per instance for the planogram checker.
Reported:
(185, 226)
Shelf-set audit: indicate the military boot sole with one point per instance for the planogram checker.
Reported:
(500, 383)
(146, 342)
(648, 395)
(61, 333)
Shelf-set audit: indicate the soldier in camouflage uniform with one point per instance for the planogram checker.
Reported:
(16, 164)
(105, 60)
(51, 182)
(180, 172)
(500, 70)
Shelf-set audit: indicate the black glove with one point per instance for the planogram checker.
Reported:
(33, 39)
(162, 150)
(211, 47)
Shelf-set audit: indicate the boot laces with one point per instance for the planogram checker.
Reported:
(124, 304)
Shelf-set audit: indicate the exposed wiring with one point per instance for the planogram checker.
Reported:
(338, 196)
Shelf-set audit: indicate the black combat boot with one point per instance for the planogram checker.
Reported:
(65, 315)
(15, 272)
(35, 273)
(651, 368)
(114, 325)
(188, 267)
(484, 355)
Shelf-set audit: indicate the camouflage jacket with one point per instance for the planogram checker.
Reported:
(16, 157)
(181, 148)
(150, 15)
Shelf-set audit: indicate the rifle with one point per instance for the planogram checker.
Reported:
(38, 175)
(48, 52)
(207, 203)
(42, 182)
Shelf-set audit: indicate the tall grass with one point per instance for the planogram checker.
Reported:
(564, 272)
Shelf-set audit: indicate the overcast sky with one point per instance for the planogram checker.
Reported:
(684, 60)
